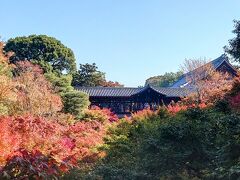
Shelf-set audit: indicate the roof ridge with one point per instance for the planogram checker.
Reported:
(222, 58)
(215, 63)
(102, 87)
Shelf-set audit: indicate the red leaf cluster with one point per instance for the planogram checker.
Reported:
(35, 94)
(235, 102)
(30, 165)
(104, 115)
(176, 107)
(111, 84)
(27, 141)
(143, 114)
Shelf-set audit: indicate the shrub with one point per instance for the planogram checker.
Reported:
(8, 95)
(7, 89)
(36, 147)
(75, 102)
(35, 94)
(5, 67)
(101, 115)
(61, 83)
(191, 144)
(143, 115)
(233, 97)
(30, 165)
(236, 87)
(174, 108)
(235, 102)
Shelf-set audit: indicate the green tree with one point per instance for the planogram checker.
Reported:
(75, 102)
(88, 75)
(40, 49)
(193, 144)
(55, 59)
(61, 83)
(234, 44)
(165, 80)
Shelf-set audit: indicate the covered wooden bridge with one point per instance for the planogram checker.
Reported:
(125, 100)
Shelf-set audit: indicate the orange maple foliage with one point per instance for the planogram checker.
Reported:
(210, 90)
(35, 93)
(142, 115)
(35, 142)
(235, 102)
(64, 144)
(176, 107)
(5, 67)
(8, 94)
(233, 96)
(111, 84)
(104, 115)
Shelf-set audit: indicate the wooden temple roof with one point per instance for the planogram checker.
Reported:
(128, 92)
(216, 64)
(178, 89)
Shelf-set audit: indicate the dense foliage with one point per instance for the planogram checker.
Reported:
(38, 140)
(234, 44)
(197, 141)
(47, 132)
(101, 115)
(35, 95)
(55, 59)
(193, 144)
(165, 80)
(37, 147)
(75, 102)
(88, 75)
(40, 49)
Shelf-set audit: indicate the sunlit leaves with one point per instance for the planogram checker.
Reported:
(35, 93)
(26, 141)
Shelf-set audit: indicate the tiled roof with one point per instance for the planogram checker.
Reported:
(173, 92)
(128, 92)
(215, 64)
(109, 91)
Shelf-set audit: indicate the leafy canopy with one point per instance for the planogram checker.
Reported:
(234, 44)
(55, 59)
(40, 49)
(75, 102)
(88, 75)
(164, 80)
(193, 144)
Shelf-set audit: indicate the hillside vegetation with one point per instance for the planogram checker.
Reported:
(48, 132)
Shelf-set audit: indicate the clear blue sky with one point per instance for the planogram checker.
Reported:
(130, 40)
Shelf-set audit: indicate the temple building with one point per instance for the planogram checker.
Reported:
(125, 100)
(221, 64)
